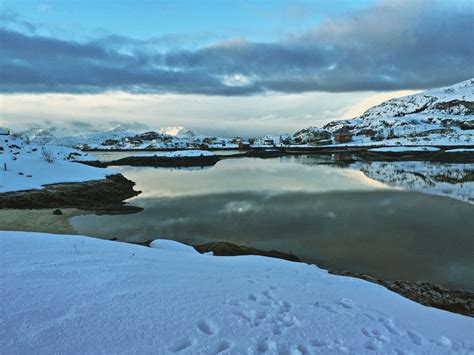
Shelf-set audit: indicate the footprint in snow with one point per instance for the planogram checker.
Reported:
(389, 324)
(181, 345)
(375, 334)
(207, 327)
(222, 346)
(252, 297)
(346, 303)
(415, 338)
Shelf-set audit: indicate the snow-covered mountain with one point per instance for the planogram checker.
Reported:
(176, 132)
(443, 116)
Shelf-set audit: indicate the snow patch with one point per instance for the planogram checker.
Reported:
(171, 245)
(405, 149)
(179, 154)
(460, 150)
(26, 166)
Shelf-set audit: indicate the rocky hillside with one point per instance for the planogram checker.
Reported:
(443, 116)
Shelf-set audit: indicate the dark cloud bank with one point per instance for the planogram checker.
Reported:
(392, 45)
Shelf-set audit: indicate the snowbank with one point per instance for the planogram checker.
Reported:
(27, 168)
(179, 154)
(405, 149)
(171, 245)
(460, 150)
(85, 295)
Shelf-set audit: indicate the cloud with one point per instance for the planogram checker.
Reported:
(389, 46)
(11, 18)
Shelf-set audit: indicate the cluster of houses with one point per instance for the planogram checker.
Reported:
(316, 137)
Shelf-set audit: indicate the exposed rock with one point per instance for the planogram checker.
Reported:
(366, 132)
(230, 249)
(207, 160)
(456, 107)
(263, 154)
(149, 136)
(109, 142)
(96, 195)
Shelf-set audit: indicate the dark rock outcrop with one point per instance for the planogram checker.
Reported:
(95, 195)
(230, 249)
(159, 161)
(265, 154)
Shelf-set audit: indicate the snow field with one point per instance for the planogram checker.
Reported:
(74, 294)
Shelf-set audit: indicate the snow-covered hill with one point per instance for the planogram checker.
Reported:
(73, 294)
(443, 116)
(25, 165)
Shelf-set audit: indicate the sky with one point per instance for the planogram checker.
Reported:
(222, 67)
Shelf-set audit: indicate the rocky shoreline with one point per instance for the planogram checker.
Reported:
(104, 196)
(158, 161)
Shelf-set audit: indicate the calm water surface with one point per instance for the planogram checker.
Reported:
(332, 216)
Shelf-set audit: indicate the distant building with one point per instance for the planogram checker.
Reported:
(203, 146)
(342, 136)
(244, 145)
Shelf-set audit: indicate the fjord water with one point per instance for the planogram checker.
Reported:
(333, 216)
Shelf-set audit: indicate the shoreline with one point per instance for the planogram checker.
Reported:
(340, 154)
(108, 196)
